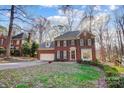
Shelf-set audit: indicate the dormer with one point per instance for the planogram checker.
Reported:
(47, 44)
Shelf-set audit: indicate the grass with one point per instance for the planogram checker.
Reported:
(51, 75)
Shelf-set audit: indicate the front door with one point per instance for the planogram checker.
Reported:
(73, 55)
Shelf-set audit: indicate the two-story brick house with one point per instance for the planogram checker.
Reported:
(16, 42)
(71, 46)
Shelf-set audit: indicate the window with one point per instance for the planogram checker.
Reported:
(64, 43)
(58, 54)
(1, 42)
(85, 33)
(65, 55)
(17, 42)
(89, 42)
(58, 43)
(47, 44)
(81, 42)
(72, 42)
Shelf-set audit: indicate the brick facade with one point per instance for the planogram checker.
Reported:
(16, 43)
(77, 46)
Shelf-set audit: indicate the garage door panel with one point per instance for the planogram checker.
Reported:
(47, 57)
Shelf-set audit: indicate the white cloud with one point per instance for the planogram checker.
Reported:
(58, 19)
(113, 7)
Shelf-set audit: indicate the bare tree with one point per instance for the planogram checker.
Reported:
(16, 13)
(99, 30)
(41, 25)
(90, 13)
(72, 15)
(119, 24)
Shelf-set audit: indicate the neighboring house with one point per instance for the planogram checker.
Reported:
(70, 46)
(16, 42)
(2, 41)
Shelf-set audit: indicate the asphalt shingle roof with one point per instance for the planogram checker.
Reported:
(43, 45)
(68, 35)
(18, 36)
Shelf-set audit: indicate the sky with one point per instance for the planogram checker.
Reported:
(52, 12)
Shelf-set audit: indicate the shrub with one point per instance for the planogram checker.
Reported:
(16, 52)
(80, 61)
(122, 82)
(34, 48)
(110, 71)
(22, 86)
(26, 49)
(93, 63)
(113, 82)
(2, 50)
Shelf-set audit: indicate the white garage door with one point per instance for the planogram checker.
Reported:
(47, 57)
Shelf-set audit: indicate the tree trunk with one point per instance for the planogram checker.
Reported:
(8, 45)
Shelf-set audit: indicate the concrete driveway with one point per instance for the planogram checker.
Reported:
(4, 66)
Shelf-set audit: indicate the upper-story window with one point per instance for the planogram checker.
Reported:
(89, 42)
(81, 42)
(72, 42)
(64, 43)
(58, 43)
(17, 42)
(1, 42)
(85, 33)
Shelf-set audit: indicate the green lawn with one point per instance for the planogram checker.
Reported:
(52, 75)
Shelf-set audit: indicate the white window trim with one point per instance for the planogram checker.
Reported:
(72, 42)
(1, 41)
(81, 42)
(89, 42)
(65, 54)
(64, 43)
(58, 43)
(58, 54)
(18, 42)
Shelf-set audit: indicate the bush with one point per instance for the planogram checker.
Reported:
(113, 82)
(22, 86)
(110, 71)
(122, 82)
(2, 50)
(26, 49)
(80, 61)
(16, 52)
(93, 63)
(34, 48)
